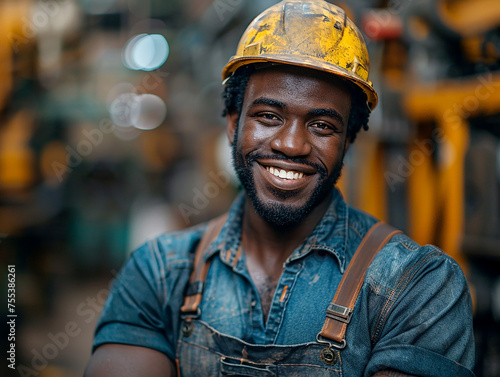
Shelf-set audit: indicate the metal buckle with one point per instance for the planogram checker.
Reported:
(191, 315)
(331, 343)
(187, 328)
(339, 312)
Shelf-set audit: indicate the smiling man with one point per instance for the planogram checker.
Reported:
(293, 140)
(292, 281)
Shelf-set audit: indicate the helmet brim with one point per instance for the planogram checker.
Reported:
(302, 61)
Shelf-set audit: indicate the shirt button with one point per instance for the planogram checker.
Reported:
(254, 303)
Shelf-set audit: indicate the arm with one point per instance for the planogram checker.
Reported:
(118, 360)
(425, 325)
(137, 331)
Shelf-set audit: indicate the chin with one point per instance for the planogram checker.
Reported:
(280, 215)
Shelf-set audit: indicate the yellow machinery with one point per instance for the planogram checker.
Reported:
(438, 71)
(16, 158)
(436, 190)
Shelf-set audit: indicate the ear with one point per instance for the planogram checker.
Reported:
(231, 125)
(346, 145)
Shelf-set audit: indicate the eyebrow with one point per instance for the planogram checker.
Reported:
(327, 113)
(269, 102)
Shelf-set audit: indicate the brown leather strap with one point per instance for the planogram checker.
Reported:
(199, 274)
(339, 312)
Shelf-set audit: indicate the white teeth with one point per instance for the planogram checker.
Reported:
(282, 173)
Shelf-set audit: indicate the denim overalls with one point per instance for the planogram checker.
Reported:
(202, 350)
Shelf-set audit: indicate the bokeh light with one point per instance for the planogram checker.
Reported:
(122, 108)
(146, 52)
(148, 112)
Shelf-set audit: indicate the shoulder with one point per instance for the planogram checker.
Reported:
(420, 300)
(170, 250)
(161, 262)
(401, 259)
(402, 264)
(142, 306)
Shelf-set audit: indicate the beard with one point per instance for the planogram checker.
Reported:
(281, 215)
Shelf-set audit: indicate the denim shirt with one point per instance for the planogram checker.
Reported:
(413, 314)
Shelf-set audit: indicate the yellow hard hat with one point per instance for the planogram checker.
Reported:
(313, 34)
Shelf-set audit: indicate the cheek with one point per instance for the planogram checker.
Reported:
(244, 142)
(253, 136)
(330, 152)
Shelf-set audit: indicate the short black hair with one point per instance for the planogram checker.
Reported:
(234, 93)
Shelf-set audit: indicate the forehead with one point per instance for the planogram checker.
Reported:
(299, 86)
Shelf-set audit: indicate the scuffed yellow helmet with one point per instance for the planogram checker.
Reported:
(313, 34)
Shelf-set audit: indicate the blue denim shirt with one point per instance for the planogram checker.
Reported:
(413, 314)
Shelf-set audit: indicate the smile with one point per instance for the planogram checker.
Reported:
(284, 174)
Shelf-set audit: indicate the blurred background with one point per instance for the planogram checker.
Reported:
(111, 133)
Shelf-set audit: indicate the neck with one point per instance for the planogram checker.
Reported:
(269, 242)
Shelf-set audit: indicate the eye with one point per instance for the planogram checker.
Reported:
(268, 118)
(323, 128)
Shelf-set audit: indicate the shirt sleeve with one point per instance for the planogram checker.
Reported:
(135, 310)
(426, 324)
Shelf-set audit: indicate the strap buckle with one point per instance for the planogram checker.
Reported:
(339, 312)
(331, 343)
(191, 314)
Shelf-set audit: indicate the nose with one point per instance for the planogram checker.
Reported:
(291, 139)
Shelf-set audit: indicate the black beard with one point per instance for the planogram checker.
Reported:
(277, 214)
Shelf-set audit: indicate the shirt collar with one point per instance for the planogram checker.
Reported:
(330, 234)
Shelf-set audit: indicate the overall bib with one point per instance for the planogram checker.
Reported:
(203, 351)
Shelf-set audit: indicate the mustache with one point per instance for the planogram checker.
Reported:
(254, 156)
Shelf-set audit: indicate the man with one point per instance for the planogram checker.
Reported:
(255, 300)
